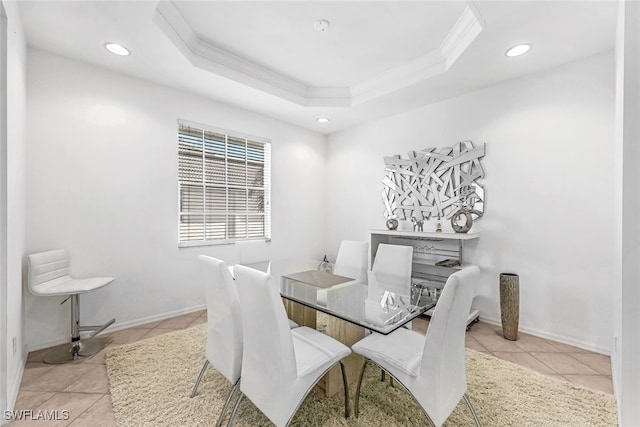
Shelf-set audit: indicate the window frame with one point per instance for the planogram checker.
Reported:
(228, 134)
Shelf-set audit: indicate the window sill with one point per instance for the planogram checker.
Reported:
(200, 243)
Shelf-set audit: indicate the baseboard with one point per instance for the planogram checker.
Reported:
(121, 325)
(47, 344)
(12, 395)
(553, 337)
(132, 323)
(616, 386)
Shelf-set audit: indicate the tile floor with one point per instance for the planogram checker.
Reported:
(82, 388)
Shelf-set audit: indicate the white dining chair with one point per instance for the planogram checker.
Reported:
(255, 250)
(224, 325)
(389, 281)
(48, 275)
(280, 366)
(391, 271)
(431, 367)
(352, 261)
(255, 254)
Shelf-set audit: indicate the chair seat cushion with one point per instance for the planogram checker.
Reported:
(315, 351)
(67, 286)
(401, 350)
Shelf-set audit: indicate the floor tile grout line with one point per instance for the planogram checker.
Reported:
(91, 406)
(575, 360)
(545, 364)
(585, 364)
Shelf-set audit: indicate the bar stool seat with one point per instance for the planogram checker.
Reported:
(67, 286)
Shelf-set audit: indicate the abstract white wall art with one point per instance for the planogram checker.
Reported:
(434, 182)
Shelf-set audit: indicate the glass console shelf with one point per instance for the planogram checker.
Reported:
(427, 235)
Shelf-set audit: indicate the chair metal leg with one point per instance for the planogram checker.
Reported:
(346, 398)
(413, 398)
(383, 377)
(346, 391)
(229, 395)
(473, 411)
(195, 387)
(235, 409)
(226, 403)
(356, 405)
(357, 402)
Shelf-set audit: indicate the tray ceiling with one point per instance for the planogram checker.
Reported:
(376, 59)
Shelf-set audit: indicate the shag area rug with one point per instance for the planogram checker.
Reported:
(151, 382)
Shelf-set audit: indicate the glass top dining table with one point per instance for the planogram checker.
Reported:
(342, 297)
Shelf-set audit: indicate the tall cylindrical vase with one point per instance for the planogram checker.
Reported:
(509, 304)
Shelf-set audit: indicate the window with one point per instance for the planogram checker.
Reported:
(224, 181)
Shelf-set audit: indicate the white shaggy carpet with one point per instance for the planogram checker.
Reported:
(151, 382)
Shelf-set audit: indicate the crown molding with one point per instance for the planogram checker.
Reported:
(463, 33)
(419, 69)
(209, 57)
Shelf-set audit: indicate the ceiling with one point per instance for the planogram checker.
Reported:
(376, 58)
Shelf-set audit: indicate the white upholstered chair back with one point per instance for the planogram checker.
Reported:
(391, 271)
(352, 260)
(268, 361)
(224, 337)
(47, 268)
(443, 365)
(280, 366)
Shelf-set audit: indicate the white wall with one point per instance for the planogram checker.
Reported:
(13, 211)
(549, 191)
(102, 182)
(626, 347)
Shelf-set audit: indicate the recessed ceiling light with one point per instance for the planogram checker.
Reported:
(322, 25)
(117, 49)
(518, 50)
(323, 120)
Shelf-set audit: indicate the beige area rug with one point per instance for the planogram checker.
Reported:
(151, 382)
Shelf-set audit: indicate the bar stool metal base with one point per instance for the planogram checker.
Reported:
(69, 352)
(77, 348)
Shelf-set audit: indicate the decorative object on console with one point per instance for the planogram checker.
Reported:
(325, 265)
(455, 224)
(509, 304)
(434, 181)
(449, 262)
(392, 224)
(467, 201)
(417, 224)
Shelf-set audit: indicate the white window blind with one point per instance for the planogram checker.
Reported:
(224, 181)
